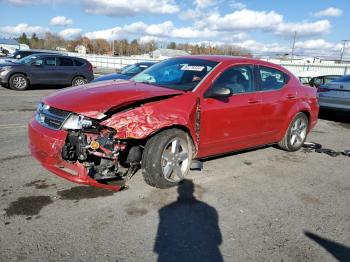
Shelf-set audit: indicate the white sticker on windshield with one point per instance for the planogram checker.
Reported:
(192, 68)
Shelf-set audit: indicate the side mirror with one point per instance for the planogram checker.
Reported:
(18, 56)
(221, 92)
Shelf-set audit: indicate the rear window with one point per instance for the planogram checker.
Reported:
(272, 79)
(63, 61)
(79, 63)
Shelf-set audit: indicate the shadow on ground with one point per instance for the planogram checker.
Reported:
(188, 229)
(335, 116)
(339, 251)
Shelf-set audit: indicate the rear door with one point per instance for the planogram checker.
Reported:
(65, 70)
(277, 98)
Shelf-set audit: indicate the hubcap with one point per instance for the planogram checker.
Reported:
(79, 82)
(19, 82)
(175, 160)
(298, 132)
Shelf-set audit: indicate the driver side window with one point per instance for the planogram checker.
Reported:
(239, 79)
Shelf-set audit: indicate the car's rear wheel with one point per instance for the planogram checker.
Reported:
(19, 82)
(296, 134)
(167, 158)
(79, 80)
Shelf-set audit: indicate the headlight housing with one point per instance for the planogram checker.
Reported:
(76, 122)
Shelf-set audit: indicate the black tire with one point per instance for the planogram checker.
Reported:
(19, 82)
(290, 144)
(79, 80)
(154, 156)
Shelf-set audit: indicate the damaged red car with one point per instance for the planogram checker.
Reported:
(177, 111)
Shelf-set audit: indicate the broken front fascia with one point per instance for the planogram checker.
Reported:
(119, 138)
(140, 122)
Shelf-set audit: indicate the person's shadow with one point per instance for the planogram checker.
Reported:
(188, 229)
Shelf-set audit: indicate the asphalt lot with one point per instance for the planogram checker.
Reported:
(261, 205)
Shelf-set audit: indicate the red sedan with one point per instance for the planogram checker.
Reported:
(178, 110)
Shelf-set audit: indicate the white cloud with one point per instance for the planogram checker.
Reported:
(237, 5)
(261, 20)
(70, 33)
(61, 21)
(205, 3)
(118, 32)
(308, 47)
(243, 19)
(126, 7)
(162, 30)
(304, 29)
(22, 28)
(331, 11)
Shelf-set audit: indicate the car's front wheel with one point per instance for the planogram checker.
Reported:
(19, 82)
(79, 80)
(296, 134)
(167, 158)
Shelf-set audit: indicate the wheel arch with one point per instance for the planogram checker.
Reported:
(21, 73)
(296, 109)
(78, 75)
(176, 126)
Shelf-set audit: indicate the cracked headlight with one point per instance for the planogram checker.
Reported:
(76, 122)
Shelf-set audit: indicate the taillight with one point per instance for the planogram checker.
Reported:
(90, 67)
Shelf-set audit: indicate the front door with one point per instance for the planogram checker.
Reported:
(231, 123)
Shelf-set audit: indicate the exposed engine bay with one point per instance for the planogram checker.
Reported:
(105, 157)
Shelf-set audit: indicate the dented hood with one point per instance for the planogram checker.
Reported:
(97, 98)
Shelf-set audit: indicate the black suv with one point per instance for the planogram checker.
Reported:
(45, 69)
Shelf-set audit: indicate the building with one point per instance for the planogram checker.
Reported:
(9, 45)
(81, 49)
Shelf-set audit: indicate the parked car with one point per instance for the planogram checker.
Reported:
(335, 95)
(181, 109)
(45, 69)
(321, 80)
(127, 72)
(19, 54)
(306, 76)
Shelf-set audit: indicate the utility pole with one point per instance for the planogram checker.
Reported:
(295, 36)
(343, 49)
(113, 48)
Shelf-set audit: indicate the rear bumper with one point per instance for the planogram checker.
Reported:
(46, 144)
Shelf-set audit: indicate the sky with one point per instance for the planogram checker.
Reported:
(259, 26)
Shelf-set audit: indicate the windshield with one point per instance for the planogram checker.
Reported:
(26, 59)
(133, 69)
(176, 73)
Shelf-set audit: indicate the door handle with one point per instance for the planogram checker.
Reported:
(290, 96)
(253, 101)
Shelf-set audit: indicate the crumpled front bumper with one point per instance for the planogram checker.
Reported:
(46, 144)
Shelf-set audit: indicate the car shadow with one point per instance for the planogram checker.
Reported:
(188, 229)
(339, 251)
(342, 117)
(229, 154)
(46, 87)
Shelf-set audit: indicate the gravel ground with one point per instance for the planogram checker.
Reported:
(260, 205)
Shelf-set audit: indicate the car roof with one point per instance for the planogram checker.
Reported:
(146, 63)
(59, 55)
(236, 59)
